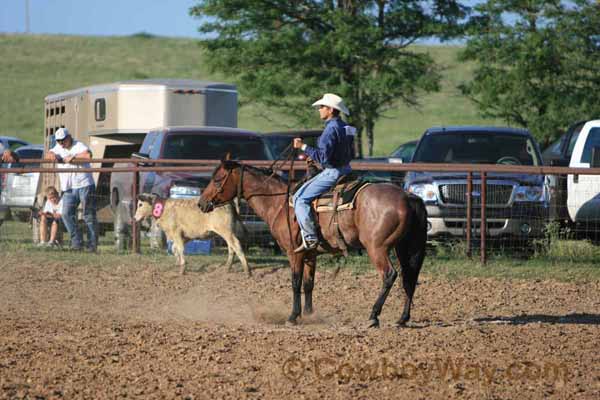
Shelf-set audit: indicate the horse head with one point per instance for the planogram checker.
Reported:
(223, 185)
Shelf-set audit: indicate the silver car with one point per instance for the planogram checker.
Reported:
(18, 190)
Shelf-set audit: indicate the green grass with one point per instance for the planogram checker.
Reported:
(33, 66)
(568, 261)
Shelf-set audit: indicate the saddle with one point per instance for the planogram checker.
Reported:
(341, 196)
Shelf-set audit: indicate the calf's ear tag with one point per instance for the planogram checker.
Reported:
(157, 210)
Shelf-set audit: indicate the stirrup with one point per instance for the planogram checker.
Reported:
(305, 246)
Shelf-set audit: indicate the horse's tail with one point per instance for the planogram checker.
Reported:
(411, 252)
(411, 249)
(419, 217)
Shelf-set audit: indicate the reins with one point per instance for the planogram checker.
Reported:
(288, 154)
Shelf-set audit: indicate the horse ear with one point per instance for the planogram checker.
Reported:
(227, 157)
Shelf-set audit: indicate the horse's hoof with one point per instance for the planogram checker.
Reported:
(291, 322)
(401, 324)
(373, 323)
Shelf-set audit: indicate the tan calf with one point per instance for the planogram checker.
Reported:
(182, 220)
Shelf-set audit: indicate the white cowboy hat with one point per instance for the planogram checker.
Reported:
(333, 101)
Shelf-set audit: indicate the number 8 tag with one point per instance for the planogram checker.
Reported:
(157, 210)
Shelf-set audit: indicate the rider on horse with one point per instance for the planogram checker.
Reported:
(334, 152)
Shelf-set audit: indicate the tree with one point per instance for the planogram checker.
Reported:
(537, 63)
(286, 53)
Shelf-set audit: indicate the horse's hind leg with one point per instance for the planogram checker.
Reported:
(411, 256)
(310, 266)
(380, 258)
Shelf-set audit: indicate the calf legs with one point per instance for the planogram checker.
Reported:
(177, 248)
(234, 244)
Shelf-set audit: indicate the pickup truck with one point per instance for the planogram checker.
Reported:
(583, 198)
(516, 203)
(185, 143)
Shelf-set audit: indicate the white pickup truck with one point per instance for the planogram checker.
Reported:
(583, 199)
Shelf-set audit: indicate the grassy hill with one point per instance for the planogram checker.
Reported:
(33, 66)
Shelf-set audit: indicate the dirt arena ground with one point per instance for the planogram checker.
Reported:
(145, 332)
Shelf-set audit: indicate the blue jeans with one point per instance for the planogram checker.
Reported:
(312, 189)
(71, 199)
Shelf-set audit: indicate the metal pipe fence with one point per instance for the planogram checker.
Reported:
(480, 209)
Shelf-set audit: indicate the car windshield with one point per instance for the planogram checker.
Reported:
(478, 148)
(278, 144)
(210, 147)
(405, 151)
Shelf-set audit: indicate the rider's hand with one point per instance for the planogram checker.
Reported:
(298, 143)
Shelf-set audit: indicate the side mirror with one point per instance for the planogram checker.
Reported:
(595, 160)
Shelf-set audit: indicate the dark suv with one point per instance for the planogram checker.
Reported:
(516, 203)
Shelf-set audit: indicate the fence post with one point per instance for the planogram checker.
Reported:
(135, 240)
(469, 215)
(483, 222)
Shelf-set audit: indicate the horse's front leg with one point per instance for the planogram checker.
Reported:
(310, 266)
(297, 267)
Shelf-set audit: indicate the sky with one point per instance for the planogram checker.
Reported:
(100, 17)
(103, 17)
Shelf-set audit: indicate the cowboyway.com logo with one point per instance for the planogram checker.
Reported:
(328, 368)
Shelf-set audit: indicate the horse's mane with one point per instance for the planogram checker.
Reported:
(268, 172)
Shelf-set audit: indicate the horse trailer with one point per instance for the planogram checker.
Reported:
(113, 119)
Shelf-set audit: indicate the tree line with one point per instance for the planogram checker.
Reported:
(536, 62)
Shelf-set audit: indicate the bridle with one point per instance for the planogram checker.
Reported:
(220, 186)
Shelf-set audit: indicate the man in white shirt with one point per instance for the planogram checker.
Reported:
(77, 187)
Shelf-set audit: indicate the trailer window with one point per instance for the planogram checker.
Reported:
(100, 109)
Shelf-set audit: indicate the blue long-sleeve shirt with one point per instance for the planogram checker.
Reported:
(335, 147)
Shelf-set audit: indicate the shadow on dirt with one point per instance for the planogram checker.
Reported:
(578, 319)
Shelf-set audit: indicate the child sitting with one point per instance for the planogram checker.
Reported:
(51, 214)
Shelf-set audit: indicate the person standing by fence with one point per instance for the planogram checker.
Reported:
(77, 187)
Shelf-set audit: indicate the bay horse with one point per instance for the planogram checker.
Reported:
(384, 217)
